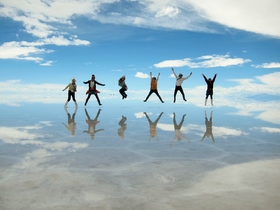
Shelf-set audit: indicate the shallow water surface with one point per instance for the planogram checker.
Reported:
(151, 156)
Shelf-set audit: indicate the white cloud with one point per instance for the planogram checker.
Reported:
(168, 11)
(208, 61)
(47, 63)
(17, 50)
(268, 65)
(141, 75)
(260, 16)
(268, 129)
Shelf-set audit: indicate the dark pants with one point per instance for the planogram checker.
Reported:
(181, 90)
(209, 92)
(153, 91)
(122, 92)
(98, 100)
(71, 94)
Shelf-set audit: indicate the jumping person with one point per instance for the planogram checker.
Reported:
(92, 89)
(179, 80)
(153, 88)
(210, 85)
(123, 86)
(72, 88)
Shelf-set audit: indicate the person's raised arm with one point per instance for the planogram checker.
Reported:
(174, 73)
(214, 77)
(158, 76)
(188, 76)
(204, 77)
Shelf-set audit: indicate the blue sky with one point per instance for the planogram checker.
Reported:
(43, 45)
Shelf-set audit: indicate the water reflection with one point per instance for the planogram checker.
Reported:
(92, 123)
(177, 127)
(208, 124)
(122, 128)
(71, 121)
(153, 126)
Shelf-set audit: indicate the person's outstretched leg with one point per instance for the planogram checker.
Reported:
(150, 93)
(175, 93)
(156, 92)
(183, 94)
(87, 99)
(206, 99)
(98, 100)
(211, 100)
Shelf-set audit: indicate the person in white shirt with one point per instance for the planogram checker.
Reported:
(72, 88)
(179, 80)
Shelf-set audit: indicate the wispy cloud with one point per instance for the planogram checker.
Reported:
(208, 61)
(50, 23)
(268, 65)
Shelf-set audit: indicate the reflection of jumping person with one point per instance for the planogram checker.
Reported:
(122, 128)
(92, 123)
(153, 126)
(153, 88)
(92, 89)
(71, 122)
(178, 135)
(72, 88)
(208, 124)
(123, 86)
(179, 81)
(210, 85)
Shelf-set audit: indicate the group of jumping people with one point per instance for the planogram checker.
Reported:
(72, 88)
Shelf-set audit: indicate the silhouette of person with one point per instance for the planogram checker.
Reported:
(179, 80)
(122, 128)
(178, 135)
(71, 121)
(153, 126)
(208, 124)
(92, 89)
(72, 88)
(123, 86)
(210, 86)
(153, 88)
(92, 123)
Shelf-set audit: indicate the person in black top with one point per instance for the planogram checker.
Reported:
(92, 89)
(209, 91)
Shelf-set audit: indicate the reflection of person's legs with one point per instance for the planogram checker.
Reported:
(88, 117)
(97, 115)
(150, 93)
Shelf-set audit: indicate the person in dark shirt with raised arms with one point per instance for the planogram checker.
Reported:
(210, 85)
